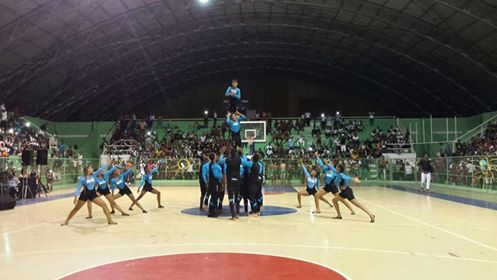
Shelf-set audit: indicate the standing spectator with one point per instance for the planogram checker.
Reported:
(133, 121)
(426, 170)
(214, 118)
(338, 120)
(471, 170)
(371, 118)
(50, 176)
(408, 170)
(206, 119)
(383, 168)
(323, 121)
(398, 168)
(308, 118)
(269, 120)
(149, 121)
(329, 121)
(61, 149)
(4, 118)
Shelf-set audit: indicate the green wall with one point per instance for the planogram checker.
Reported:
(87, 136)
(428, 135)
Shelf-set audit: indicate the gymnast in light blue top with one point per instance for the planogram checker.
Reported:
(86, 190)
(330, 177)
(312, 182)
(118, 180)
(346, 192)
(233, 95)
(103, 189)
(146, 184)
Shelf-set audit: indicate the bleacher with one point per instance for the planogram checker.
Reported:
(160, 127)
(89, 138)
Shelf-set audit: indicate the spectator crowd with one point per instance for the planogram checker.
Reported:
(17, 134)
(484, 145)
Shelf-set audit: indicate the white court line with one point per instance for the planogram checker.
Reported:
(23, 229)
(207, 252)
(269, 245)
(433, 226)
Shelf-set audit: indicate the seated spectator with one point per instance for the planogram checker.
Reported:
(14, 186)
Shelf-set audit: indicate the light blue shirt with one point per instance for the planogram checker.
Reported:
(236, 91)
(311, 182)
(148, 177)
(90, 182)
(234, 125)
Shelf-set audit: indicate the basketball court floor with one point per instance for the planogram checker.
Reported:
(415, 237)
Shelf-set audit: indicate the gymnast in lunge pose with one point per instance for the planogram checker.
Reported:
(312, 183)
(347, 193)
(86, 191)
(146, 184)
(118, 180)
(103, 189)
(330, 174)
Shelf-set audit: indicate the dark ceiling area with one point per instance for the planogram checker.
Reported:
(96, 59)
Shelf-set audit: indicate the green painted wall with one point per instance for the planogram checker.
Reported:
(89, 136)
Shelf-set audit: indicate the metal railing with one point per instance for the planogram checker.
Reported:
(466, 172)
(122, 147)
(478, 130)
(403, 129)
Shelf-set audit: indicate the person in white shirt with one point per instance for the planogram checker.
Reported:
(308, 119)
(323, 121)
(300, 142)
(408, 170)
(371, 118)
(4, 118)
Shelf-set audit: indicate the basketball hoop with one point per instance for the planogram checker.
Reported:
(253, 132)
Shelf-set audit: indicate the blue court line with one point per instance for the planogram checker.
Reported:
(453, 198)
(266, 211)
(279, 189)
(43, 199)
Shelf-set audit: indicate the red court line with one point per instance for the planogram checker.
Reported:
(210, 266)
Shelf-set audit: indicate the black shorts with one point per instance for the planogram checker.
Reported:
(312, 191)
(88, 195)
(347, 193)
(331, 188)
(147, 187)
(125, 191)
(103, 192)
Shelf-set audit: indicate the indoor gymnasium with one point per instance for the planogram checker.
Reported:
(248, 139)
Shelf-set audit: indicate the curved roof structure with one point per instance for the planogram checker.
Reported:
(61, 58)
